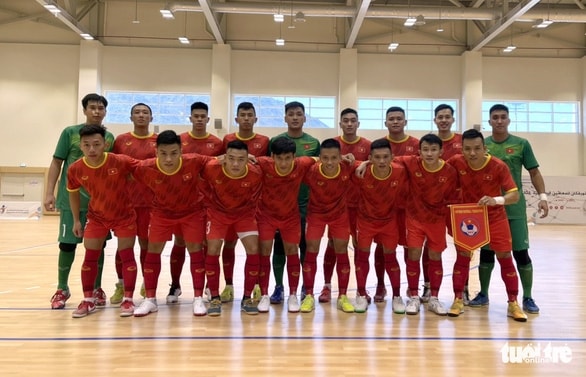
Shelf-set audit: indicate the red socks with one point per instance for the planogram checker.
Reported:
(251, 268)
(151, 269)
(176, 261)
(197, 268)
(89, 271)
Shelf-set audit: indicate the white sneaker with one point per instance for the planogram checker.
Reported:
(293, 304)
(264, 303)
(207, 296)
(436, 306)
(173, 296)
(199, 308)
(361, 304)
(149, 305)
(413, 305)
(398, 305)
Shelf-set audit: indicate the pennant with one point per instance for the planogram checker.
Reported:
(470, 225)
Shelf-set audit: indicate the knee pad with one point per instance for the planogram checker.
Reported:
(486, 256)
(67, 247)
(522, 257)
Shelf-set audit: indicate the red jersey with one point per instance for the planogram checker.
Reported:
(278, 197)
(327, 195)
(258, 145)
(492, 179)
(230, 195)
(209, 145)
(141, 148)
(409, 146)
(452, 146)
(361, 150)
(105, 184)
(379, 196)
(175, 194)
(430, 192)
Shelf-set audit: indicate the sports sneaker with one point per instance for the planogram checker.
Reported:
(149, 305)
(256, 294)
(345, 305)
(248, 306)
(84, 308)
(307, 304)
(530, 306)
(380, 294)
(325, 295)
(174, 293)
(514, 311)
(293, 304)
(142, 291)
(215, 308)
(227, 294)
(207, 295)
(398, 305)
(59, 299)
(264, 303)
(118, 295)
(199, 308)
(426, 293)
(277, 296)
(100, 297)
(480, 300)
(361, 304)
(436, 306)
(466, 296)
(127, 308)
(457, 308)
(413, 305)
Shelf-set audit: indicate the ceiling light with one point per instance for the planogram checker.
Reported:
(299, 17)
(439, 29)
(509, 48)
(278, 17)
(86, 36)
(419, 20)
(393, 46)
(542, 24)
(280, 42)
(52, 8)
(184, 40)
(167, 14)
(410, 21)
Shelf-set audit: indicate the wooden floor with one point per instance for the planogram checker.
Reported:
(38, 341)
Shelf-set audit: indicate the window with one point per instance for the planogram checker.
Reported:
(538, 116)
(418, 112)
(270, 110)
(169, 109)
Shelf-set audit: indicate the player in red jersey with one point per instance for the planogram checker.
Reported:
(234, 189)
(199, 141)
(278, 210)
(483, 179)
(177, 209)
(383, 183)
(350, 142)
(432, 187)
(328, 182)
(258, 145)
(139, 144)
(104, 177)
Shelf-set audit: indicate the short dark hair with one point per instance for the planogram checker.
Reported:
(168, 137)
(283, 145)
(293, 105)
(245, 106)
(472, 134)
(348, 110)
(431, 139)
(382, 143)
(237, 144)
(93, 97)
(395, 108)
(330, 143)
(141, 104)
(92, 129)
(199, 106)
(441, 107)
(498, 107)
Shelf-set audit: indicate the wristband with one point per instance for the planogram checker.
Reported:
(500, 200)
(543, 196)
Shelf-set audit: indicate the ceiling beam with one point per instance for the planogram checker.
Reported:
(212, 21)
(68, 19)
(357, 24)
(457, 3)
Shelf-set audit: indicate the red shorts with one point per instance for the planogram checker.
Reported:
(123, 228)
(219, 225)
(143, 218)
(401, 224)
(289, 228)
(352, 219)
(500, 236)
(189, 227)
(231, 236)
(385, 233)
(418, 232)
(338, 228)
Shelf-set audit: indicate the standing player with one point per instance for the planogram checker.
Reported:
(258, 145)
(306, 145)
(234, 189)
(517, 153)
(139, 144)
(383, 184)
(177, 208)
(483, 179)
(104, 177)
(350, 142)
(66, 153)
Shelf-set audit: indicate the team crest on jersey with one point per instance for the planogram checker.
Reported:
(362, 150)
(187, 177)
(457, 146)
(210, 145)
(153, 144)
(509, 150)
(487, 177)
(443, 179)
(112, 171)
(306, 146)
(345, 178)
(245, 184)
(469, 227)
(256, 145)
(409, 148)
